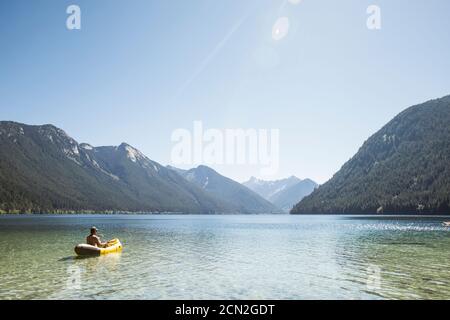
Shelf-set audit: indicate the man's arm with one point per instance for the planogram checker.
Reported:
(99, 243)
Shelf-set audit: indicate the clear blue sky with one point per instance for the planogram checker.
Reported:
(137, 70)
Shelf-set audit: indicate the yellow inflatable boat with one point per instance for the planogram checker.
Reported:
(87, 250)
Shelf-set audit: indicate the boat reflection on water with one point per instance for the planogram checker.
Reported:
(88, 277)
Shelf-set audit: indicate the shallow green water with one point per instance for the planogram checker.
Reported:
(227, 257)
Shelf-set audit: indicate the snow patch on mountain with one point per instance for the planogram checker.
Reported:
(96, 165)
(278, 190)
(86, 146)
(132, 153)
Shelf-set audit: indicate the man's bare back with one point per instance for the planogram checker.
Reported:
(94, 240)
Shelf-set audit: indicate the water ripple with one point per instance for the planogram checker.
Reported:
(226, 257)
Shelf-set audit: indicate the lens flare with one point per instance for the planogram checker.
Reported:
(280, 29)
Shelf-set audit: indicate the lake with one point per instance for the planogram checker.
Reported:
(227, 257)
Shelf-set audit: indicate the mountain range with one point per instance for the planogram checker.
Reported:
(42, 169)
(283, 193)
(222, 187)
(404, 168)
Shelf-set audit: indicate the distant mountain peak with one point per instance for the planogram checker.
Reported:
(284, 193)
(132, 153)
(253, 179)
(207, 170)
(11, 129)
(234, 193)
(86, 146)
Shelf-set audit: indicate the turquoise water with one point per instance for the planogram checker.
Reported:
(227, 257)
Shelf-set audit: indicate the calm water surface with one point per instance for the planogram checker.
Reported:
(227, 257)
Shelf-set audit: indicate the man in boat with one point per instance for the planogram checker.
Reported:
(94, 240)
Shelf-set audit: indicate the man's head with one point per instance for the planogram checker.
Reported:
(93, 230)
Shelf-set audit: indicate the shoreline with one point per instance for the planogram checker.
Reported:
(125, 213)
